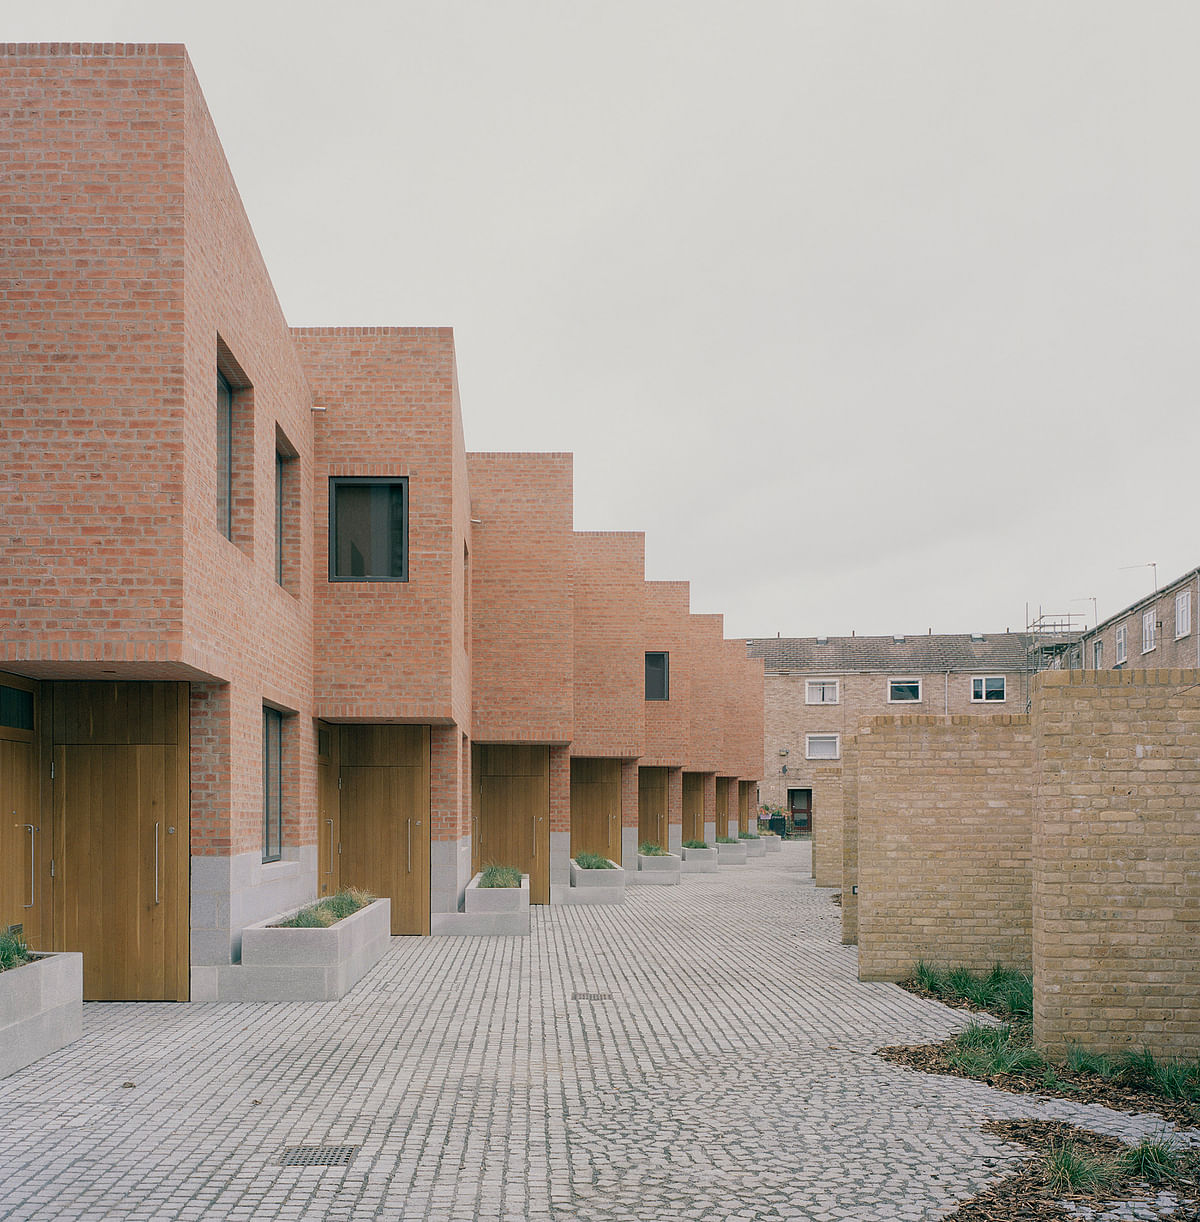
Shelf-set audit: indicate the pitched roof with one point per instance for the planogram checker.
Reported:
(1000, 651)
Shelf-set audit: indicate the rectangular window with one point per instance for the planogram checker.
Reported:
(272, 784)
(987, 688)
(658, 676)
(821, 691)
(1097, 655)
(368, 529)
(1183, 613)
(224, 457)
(279, 469)
(16, 708)
(904, 691)
(1148, 626)
(1122, 643)
(822, 746)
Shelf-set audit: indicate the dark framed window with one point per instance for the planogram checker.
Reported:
(272, 784)
(279, 469)
(368, 529)
(224, 457)
(658, 676)
(16, 708)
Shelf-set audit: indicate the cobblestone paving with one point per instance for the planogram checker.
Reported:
(728, 1075)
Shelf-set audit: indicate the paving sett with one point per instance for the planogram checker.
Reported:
(727, 1074)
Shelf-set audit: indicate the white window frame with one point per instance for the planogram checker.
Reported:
(809, 684)
(983, 681)
(1098, 654)
(1149, 630)
(912, 679)
(1183, 611)
(837, 747)
(1122, 644)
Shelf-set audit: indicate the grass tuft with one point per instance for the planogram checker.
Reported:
(1153, 1159)
(652, 850)
(13, 951)
(499, 876)
(748, 836)
(593, 861)
(1067, 1169)
(328, 911)
(726, 840)
(695, 844)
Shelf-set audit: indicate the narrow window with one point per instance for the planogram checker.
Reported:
(822, 746)
(821, 691)
(658, 686)
(1097, 655)
(224, 457)
(279, 469)
(988, 688)
(1148, 627)
(272, 784)
(1183, 613)
(1122, 643)
(368, 529)
(903, 691)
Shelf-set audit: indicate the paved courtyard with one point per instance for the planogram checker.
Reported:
(702, 1052)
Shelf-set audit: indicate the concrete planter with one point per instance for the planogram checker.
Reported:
(305, 964)
(754, 848)
(41, 1009)
(656, 871)
(699, 861)
(487, 911)
(732, 854)
(770, 842)
(596, 886)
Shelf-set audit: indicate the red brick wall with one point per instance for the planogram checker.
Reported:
(391, 650)
(706, 702)
(609, 589)
(667, 629)
(523, 618)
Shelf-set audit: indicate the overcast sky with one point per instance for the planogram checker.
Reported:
(873, 316)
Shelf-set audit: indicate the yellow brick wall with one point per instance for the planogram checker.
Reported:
(944, 813)
(1116, 932)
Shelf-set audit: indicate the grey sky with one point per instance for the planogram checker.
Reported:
(873, 316)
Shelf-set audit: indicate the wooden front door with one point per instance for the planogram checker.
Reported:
(652, 807)
(512, 797)
(384, 818)
(693, 806)
(24, 846)
(122, 854)
(723, 806)
(329, 835)
(744, 807)
(596, 807)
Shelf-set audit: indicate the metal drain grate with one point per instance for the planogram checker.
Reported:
(591, 997)
(317, 1156)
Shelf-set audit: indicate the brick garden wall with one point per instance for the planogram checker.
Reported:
(944, 811)
(1116, 877)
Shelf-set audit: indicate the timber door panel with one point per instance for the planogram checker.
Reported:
(596, 807)
(722, 806)
(743, 806)
(122, 836)
(329, 836)
(652, 807)
(24, 848)
(513, 794)
(693, 806)
(384, 818)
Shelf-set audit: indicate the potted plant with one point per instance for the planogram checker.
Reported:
(753, 843)
(596, 880)
(497, 901)
(41, 1002)
(698, 858)
(655, 866)
(730, 851)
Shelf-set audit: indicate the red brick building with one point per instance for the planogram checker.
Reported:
(266, 626)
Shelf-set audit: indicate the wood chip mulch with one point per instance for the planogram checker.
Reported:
(1025, 1194)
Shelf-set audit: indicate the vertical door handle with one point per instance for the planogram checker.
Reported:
(32, 874)
(409, 822)
(330, 822)
(156, 900)
(535, 837)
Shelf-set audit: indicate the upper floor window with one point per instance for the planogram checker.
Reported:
(368, 529)
(1097, 655)
(272, 846)
(658, 676)
(1183, 613)
(902, 691)
(821, 691)
(822, 746)
(224, 457)
(235, 451)
(1148, 629)
(988, 688)
(1122, 643)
